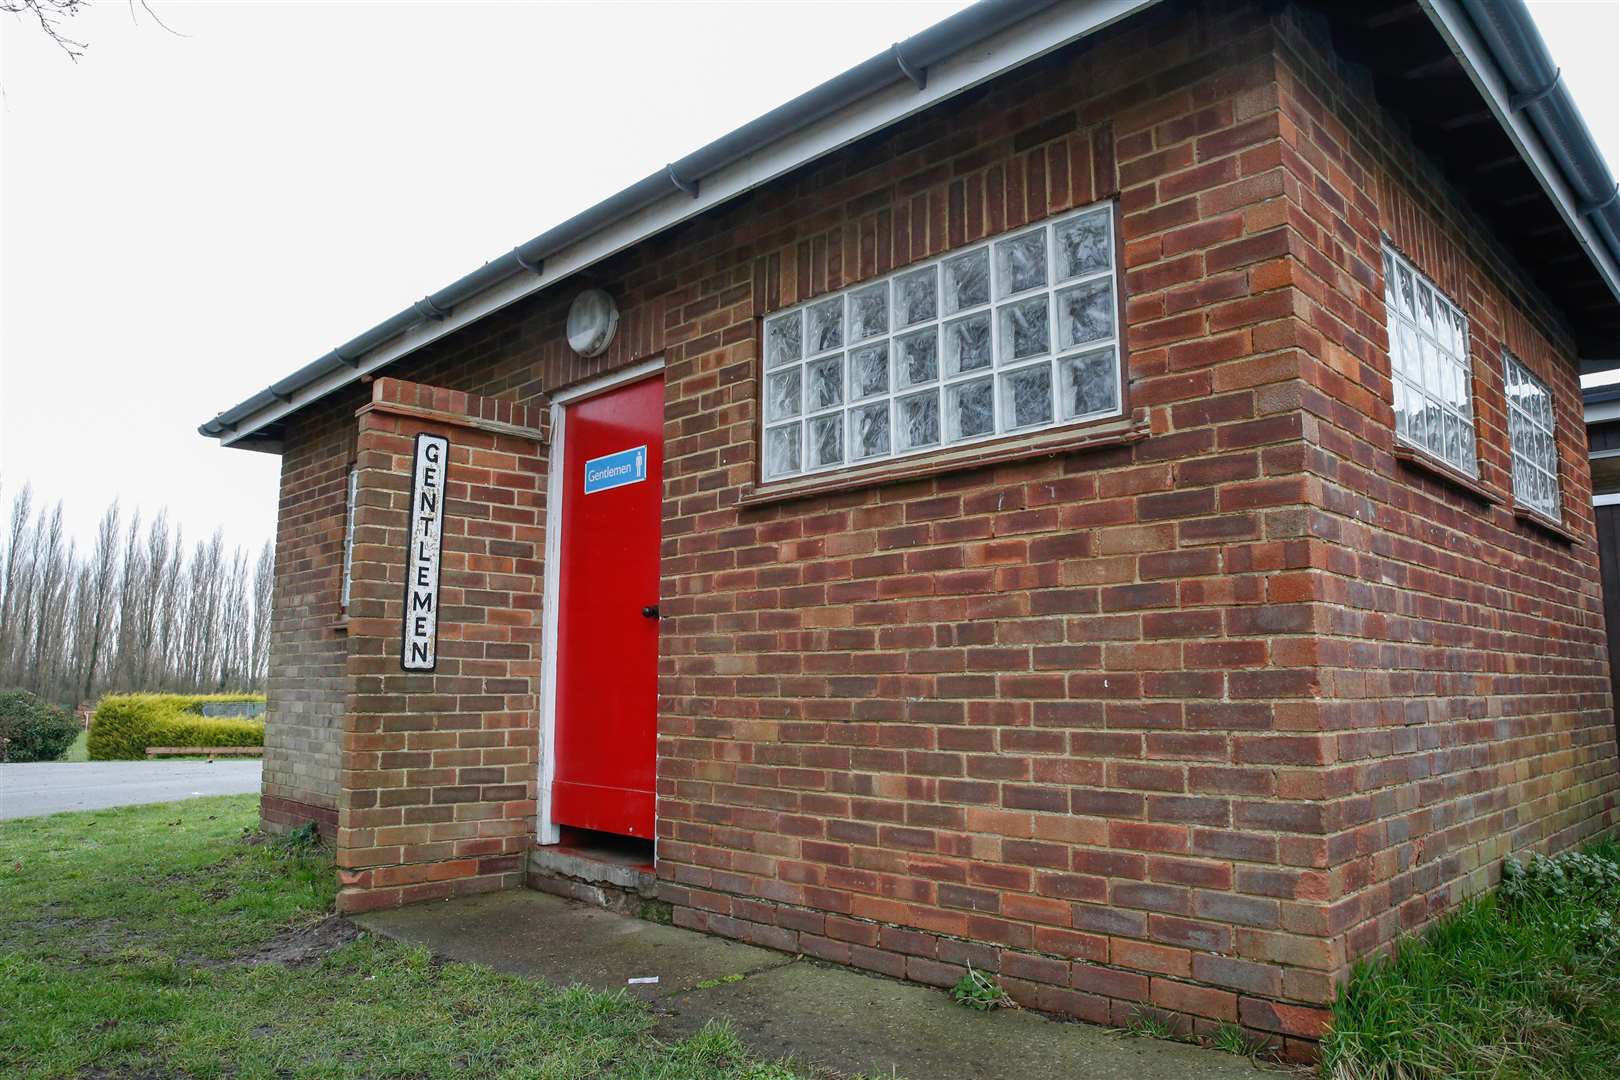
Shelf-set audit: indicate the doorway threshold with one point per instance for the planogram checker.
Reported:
(600, 869)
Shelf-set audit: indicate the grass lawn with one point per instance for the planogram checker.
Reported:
(171, 940)
(79, 750)
(1523, 983)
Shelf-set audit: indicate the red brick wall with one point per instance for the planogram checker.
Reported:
(1463, 663)
(1118, 725)
(1052, 718)
(438, 768)
(308, 652)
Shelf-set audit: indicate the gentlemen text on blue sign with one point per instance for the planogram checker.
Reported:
(616, 470)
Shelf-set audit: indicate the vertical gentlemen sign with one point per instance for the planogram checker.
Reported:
(418, 650)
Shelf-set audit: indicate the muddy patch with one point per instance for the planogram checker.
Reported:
(73, 938)
(297, 946)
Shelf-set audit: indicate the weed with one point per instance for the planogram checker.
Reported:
(710, 984)
(1231, 1039)
(1146, 1024)
(302, 840)
(976, 990)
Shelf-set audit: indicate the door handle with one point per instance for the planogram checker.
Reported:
(651, 611)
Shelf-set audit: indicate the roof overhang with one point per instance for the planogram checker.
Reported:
(988, 40)
(972, 47)
(1515, 112)
(1602, 403)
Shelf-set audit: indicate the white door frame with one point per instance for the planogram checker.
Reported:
(546, 830)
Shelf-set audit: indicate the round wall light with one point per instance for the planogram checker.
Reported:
(592, 319)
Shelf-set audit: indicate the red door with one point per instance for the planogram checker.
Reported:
(607, 618)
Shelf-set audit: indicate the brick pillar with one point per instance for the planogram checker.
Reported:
(438, 769)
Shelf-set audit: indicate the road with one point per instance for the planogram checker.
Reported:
(50, 788)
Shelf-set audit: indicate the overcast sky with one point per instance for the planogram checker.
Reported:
(186, 217)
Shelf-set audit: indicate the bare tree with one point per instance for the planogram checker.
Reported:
(53, 563)
(235, 624)
(97, 587)
(132, 609)
(169, 586)
(137, 612)
(49, 14)
(16, 600)
(264, 578)
(199, 642)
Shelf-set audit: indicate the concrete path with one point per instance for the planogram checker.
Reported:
(831, 1017)
(52, 787)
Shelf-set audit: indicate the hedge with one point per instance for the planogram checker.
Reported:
(126, 724)
(33, 730)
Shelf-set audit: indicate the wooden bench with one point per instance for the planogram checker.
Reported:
(210, 752)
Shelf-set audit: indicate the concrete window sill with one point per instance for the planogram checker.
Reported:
(1546, 524)
(1421, 462)
(1118, 432)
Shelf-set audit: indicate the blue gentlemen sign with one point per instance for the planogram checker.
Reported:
(616, 470)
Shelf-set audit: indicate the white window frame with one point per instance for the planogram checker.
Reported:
(1528, 426)
(999, 370)
(1430, 367)
(353, 488)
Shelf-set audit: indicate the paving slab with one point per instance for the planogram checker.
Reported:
(833, 1018)
(566, 943)
(52, 787)
(851, 1022)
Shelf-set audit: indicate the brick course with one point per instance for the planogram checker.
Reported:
(1183, 722)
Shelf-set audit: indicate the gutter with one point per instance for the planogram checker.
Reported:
(1496, 41)
(1538, 92)
(1505, 57)
(906, 62)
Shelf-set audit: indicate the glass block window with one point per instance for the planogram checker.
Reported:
(1014, 335)
(353, 486)
(1428, 351)
(1532, 433)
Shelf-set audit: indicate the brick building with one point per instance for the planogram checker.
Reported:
(1096, 492)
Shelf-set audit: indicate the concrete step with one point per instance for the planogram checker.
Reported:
(617, 878)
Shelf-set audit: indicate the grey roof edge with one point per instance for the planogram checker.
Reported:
(1537, 91)
(1505, 26)
(905, 60)
(1599, 395)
